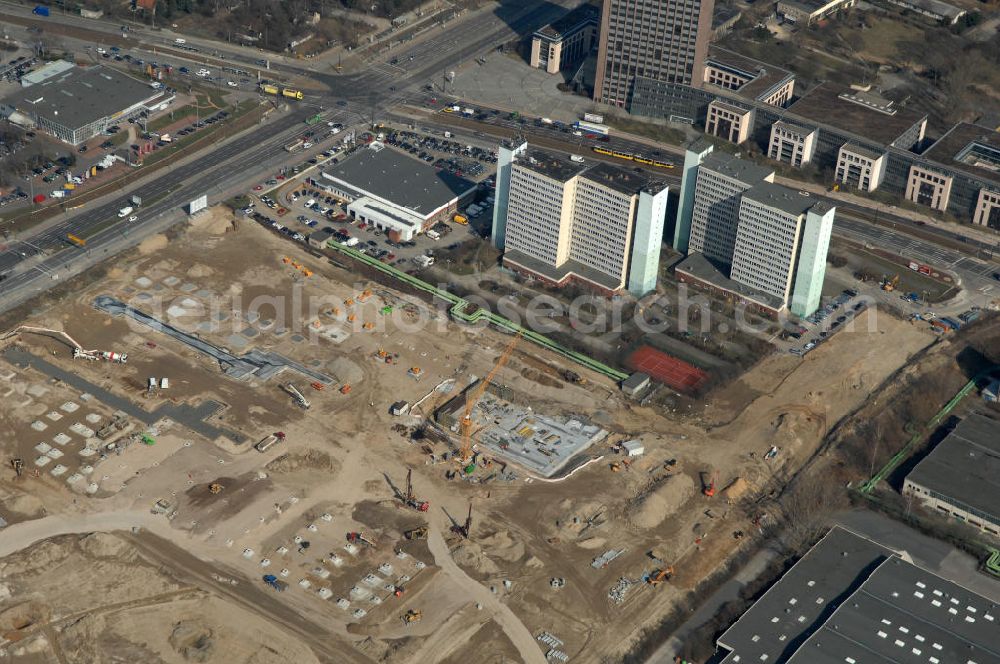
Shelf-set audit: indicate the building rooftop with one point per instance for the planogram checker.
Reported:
(699, 267)
(49, 70)
(570, 23)
(970, 148)
(400, 179)
(556, 167)
(736, 168)
(724, 15)
(965, 466)
(859, 113)
(793, 128)
(862, 151)
(850, 599)
(936, 7)
(624, 180)
(765, 77)
(81, 95)
(782, 198)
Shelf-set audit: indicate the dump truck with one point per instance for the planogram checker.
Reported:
(292, 94)
(265, 444)
(275, 582)
(269, 89)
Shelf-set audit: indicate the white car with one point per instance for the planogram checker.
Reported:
(203, 72)
(133, 218)
(232, 84)
(101, 50)
(306, 145)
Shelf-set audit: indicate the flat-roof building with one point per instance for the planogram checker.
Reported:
(851, 600)
(750, 79)
(560, 221)
(808, 12)
(792, 144)
(665, 41)
(76, 104)
(762, 242)
(973, 150)
(46, 72)
(932, 9)
(566, 42)
(395, 192)
(960, 478)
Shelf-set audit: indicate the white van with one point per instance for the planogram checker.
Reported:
(180, 41)
(434, 235)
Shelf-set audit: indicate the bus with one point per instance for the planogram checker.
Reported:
(591, 128)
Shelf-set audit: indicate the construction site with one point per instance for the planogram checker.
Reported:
(287, 460)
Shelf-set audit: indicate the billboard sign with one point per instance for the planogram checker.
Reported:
(198, 204)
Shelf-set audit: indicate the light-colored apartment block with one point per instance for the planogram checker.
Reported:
(987, 209)
(928, 187)
(728, 122)
(721, 180)
(791, 144)
(589, 223)
(860, 168)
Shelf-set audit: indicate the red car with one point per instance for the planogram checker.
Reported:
(258, 188)
(279, 177)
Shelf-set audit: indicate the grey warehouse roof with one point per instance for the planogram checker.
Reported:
(964, 468)
(851, 600)
(400, 179)
(80, 96)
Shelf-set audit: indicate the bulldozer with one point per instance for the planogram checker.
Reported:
(411, 617)
(215, 488)
(416, 533)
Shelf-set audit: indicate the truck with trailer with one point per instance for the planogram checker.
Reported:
(269, 89)
(590, 128)
(593, 117)
(291, 93)
(269, 441)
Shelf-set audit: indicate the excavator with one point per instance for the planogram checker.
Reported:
(418, 533)
(709, 489)
(661, 575)
(463, 530)
(412, 616)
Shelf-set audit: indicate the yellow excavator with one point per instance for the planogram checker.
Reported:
(411, 617)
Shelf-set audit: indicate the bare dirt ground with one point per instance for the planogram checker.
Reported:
(289, 511)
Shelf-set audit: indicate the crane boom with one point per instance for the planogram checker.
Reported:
(473, 397)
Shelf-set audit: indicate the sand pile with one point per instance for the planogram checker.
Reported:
(103, 545)
(470, 556)
(192, 641)
(308, 460)
(501, 545)
(24, 615)
(654, 507)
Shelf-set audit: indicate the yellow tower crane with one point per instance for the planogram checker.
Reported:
(473, 397)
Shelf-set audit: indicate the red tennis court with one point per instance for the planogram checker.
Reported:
(666, 369)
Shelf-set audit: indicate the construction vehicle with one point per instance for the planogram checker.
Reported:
(266, 443)
(409, 500)
(660, 575)
(573, 377)
(461, 219)
(292, 94)
(416, 533)
(345, 389)
(463, 530)
(275, 582)
(411, 617)
(215, 488)
(269, 89)
(78, 350)
(18, 466)
(473, 397)
(709, 489)
(300, 399)
(360, 538)
(889, 285)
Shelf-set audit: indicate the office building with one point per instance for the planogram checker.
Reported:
(728, 122)
(748, 237)
(851, 600)
(751, 79)
(859, 167)
(665, 40)
(928, 187)
(974, 151)
(395, 192)
(77, 103)
(960, 478)
(565, 43)
(791, 144)
(562, 221)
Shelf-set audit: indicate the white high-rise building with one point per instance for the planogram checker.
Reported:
(563, 221)
(747, 236)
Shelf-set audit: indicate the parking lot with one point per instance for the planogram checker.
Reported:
(463, 160)
(837, 314)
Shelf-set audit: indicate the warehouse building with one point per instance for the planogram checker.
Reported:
(394, 192)
(76, 104)
(850, 600)
(960, 478)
